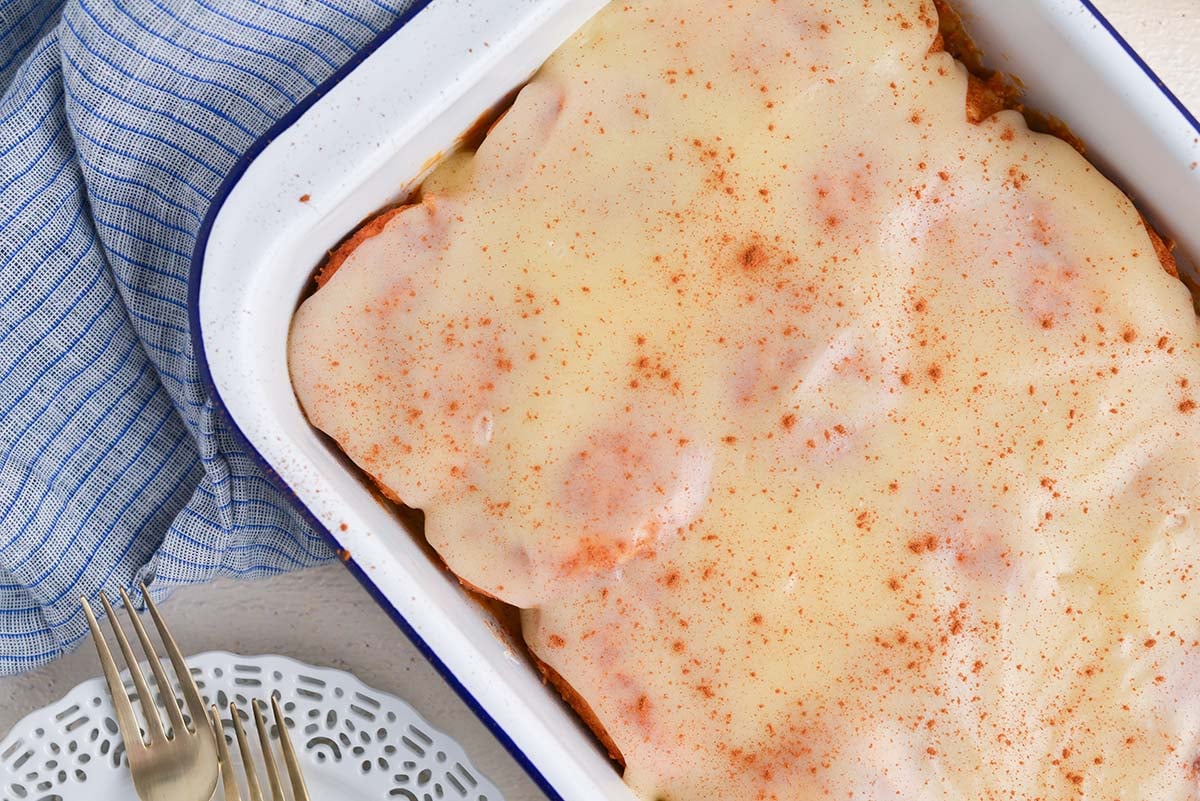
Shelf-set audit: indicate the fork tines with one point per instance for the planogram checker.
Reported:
(176, 764)
(125, 717)
(229, 777)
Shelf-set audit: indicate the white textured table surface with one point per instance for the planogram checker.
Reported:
(324, 617)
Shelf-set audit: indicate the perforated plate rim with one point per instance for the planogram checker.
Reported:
(369, 744)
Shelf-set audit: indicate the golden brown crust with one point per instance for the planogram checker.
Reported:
(499, 117)
(988, 96)
(987, 92)
(380, 487)
(952, 33)
(477, 591)
(1049, 124)
(1162, 249)
(372, 226)
(581, 708)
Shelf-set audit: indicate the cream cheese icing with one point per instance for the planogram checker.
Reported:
(834, 446)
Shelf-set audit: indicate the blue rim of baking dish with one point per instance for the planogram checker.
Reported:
(210, 387)
(1142, 65)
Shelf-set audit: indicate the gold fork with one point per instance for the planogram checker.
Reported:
(229, 778)
(182, 765)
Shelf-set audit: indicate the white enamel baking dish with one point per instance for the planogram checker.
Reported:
(367, 136)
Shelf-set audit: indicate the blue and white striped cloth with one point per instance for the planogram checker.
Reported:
(118, 121)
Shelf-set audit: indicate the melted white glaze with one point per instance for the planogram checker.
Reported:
(835, 446)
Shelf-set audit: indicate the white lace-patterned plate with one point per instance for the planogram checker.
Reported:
(355, 744)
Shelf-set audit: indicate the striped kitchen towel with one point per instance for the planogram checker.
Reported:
(118, 121)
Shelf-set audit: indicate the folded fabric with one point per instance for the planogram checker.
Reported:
(119, 119)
